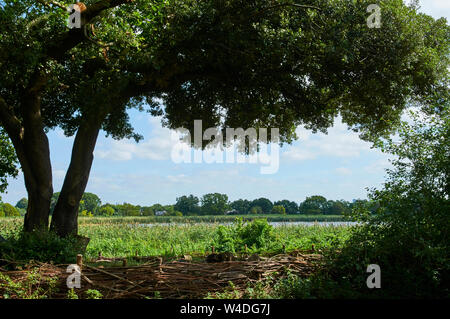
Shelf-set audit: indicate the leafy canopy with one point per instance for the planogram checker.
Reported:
(230, 63)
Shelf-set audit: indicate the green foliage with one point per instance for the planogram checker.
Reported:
(40, 246)
(33, 286)
(53, 202)
(170, 211)
(71, 294)
(9, 210)
(127, 209)
(407, 236)
(8, 160)
(214, 204)
(188, 205)
(256, 235)
(93, 294)
(169, 236)
(106, 210)
(242, 206)
(90, 202)
(85, 213)
(256, 210)
(22, 203)
(313, 205)
(278, 209)
(252, 41)
(147, 211)
(289, 206)
(312, 287)
(264, 204)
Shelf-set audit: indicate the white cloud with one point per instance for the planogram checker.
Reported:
(378, 166)
(339, 142)
(443, 4)
(435, 8)
(343, 171)
(157, 147)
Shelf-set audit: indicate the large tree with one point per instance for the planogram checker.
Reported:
(214, 204)
(238, 63)
(313, 205)
(290, 207)
(242, 206)
(188, 205)
(265, 204)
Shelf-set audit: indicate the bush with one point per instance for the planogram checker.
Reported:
(257, 235)
(407, 235)
(256, 210)
(278, 209)
(40, 246)
(32, 286)
(85, 213)
(9, 210)
(106, 210)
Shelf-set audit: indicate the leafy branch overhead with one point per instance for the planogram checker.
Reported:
(280, 64)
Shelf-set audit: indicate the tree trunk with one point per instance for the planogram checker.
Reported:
(32, 150)
(65, 216)
(34, 157)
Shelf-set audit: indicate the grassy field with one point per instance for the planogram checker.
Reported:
(123, 237)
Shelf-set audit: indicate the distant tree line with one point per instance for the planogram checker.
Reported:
(208, 204)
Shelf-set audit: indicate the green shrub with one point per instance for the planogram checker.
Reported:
(33, 286)
(9, 210)
(93, 294)
(71, 294)
(278, 209)
(256, 235)
(39, 246)
(408, 234)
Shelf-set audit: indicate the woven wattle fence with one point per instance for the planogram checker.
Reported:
(174, 279)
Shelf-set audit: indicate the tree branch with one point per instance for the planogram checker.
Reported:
(48, 4)
(73, 37)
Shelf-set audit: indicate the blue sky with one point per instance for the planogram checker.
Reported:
(337, 165)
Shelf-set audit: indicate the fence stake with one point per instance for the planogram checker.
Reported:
(80, 261)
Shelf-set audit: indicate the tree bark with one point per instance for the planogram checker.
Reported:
(34, 157)
(65, 216)
(32, 150)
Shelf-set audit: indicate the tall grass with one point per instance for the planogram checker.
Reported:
(127, 238)
(172, 240)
